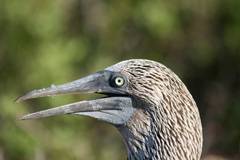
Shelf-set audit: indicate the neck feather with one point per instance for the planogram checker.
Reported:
(154, 137)
(140, 138)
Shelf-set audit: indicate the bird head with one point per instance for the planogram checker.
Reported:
(123, 85)
(145, 100)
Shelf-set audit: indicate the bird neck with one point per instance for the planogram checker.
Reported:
(140, 138)
(149, 136)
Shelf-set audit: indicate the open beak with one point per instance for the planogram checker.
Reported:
(116, 108)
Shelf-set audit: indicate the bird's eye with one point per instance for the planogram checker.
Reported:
(118, 81)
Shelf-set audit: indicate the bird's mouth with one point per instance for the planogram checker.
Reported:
(115, 108)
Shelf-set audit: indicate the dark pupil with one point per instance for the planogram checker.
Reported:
(119, 80)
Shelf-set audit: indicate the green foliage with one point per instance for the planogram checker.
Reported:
(45, 42)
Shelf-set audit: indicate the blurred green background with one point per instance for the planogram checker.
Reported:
(46, 42)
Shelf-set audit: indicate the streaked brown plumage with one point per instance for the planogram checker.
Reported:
(167, 124)
(164, 123)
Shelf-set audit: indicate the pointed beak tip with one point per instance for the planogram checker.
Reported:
(21, 98)
(20, 118)
(18, 100)
(26, 117)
